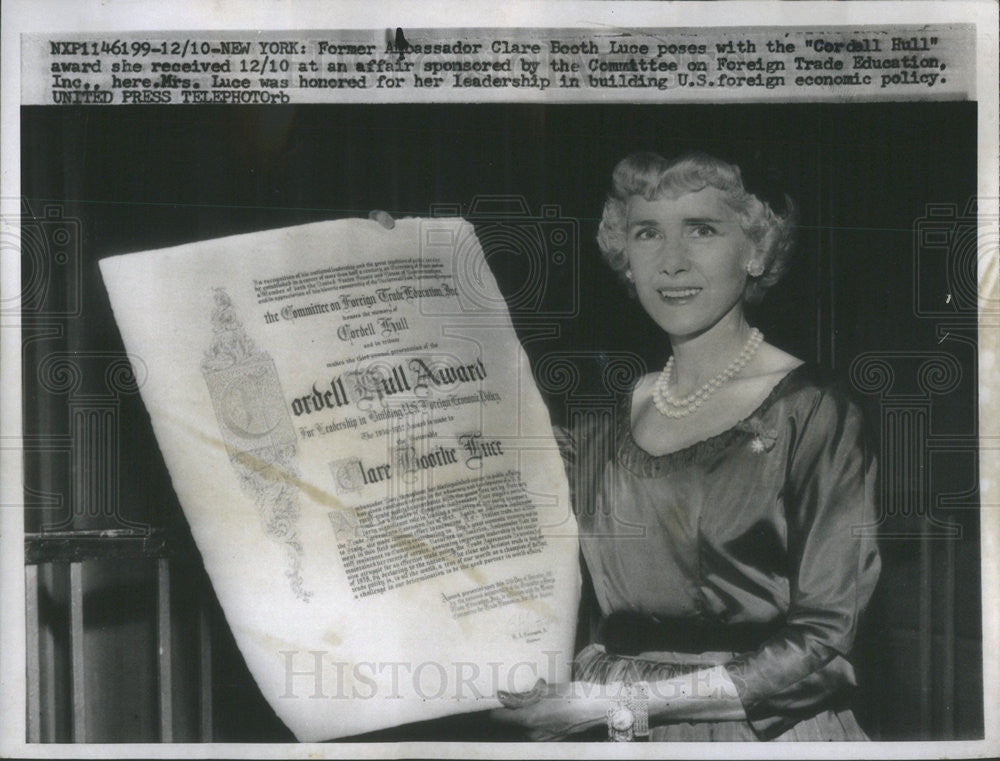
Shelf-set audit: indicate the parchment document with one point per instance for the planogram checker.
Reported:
(367, 467)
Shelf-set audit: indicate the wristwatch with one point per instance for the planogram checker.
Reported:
(621, 724)
(628, 715)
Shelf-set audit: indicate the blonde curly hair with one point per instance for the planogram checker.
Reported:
(651, 176)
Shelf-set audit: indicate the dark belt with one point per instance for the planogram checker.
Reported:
(634, 633)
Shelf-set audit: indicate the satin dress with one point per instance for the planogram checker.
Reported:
(768, 526)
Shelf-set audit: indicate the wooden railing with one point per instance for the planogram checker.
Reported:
(60, 556)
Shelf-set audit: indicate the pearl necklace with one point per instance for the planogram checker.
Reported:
(667, 405)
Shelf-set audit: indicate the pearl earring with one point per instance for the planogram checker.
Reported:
(755, 268)
(629, 276)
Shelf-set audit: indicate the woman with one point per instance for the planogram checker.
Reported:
(717, 513)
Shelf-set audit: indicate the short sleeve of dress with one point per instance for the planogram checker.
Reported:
(833, 568)
(589, 614)
(581, 446)
(567, 446)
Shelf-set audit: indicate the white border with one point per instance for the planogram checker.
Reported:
(56, 16)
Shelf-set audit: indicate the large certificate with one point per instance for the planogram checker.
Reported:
(367, 467)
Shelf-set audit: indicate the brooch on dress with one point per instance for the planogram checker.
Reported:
(763, 440)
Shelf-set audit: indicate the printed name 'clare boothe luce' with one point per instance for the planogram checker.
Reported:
(405, 458)
(414, 376)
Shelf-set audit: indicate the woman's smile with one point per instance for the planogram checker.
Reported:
(678, 296)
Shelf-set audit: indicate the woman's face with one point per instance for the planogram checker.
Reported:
(688, 257)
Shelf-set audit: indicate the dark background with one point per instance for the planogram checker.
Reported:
(868, 181)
